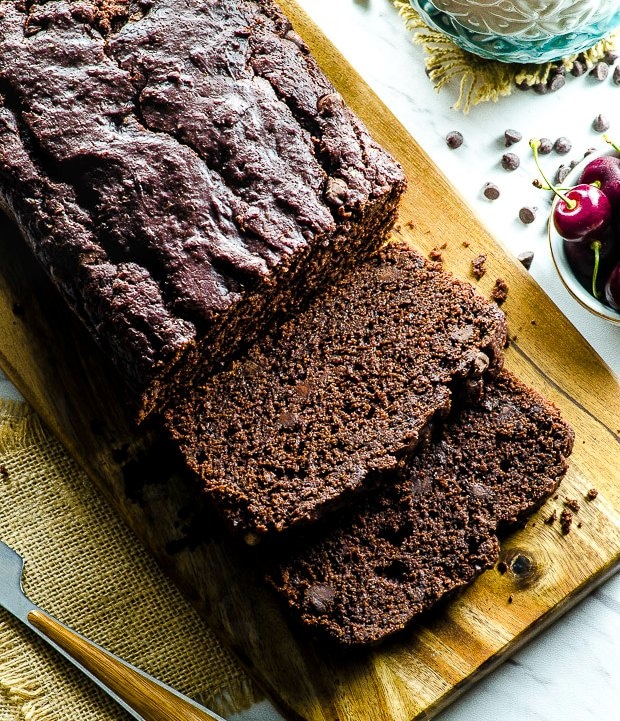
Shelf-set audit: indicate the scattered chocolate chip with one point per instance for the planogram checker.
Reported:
(562, 145)
(557, 82)
(611, 56)
(320, 597)
(526, 259)
(540, 88)
(589, 151)
(566, 521)
(600, 123)
(478, 268)
(523, 85)
(573, 504)
(577, 69)
(573, 163)
(510, 161)
(561, 173)
(615, 78)
(546, 146)
(592, 494)
(600, 71)
(527, 215)
(551, 518)
(499, 292)
(502, 567)
(511, 137)
(490, 191)
(454, 139)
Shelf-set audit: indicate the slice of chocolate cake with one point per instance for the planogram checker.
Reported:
(368, 572)
(316, 411)
(184, 172)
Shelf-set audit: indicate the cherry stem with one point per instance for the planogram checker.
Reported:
(595, 246)
(607, 139)
(570, 203)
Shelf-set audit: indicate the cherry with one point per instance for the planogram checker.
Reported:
(605, 171)
(582, 210)
(612, 288)
(590, 256)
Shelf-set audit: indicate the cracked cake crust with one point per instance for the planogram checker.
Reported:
(183, 170)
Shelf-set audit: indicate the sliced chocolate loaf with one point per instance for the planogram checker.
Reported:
(317, 410)
(183, 170)
(376, 566)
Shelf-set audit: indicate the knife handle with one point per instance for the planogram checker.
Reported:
(142, 694)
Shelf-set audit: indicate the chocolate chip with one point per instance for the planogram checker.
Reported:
(545, 147)
(454, 139)
(320, 596)
(561, 173)
(600, 71)
(573, 163)
(510, 161)
(578, 68)
(562, 145)
(540, 88)
(527, 215)
(490, 191)
(511, 137)
(526, 259)
(611, 56)
(600, 123)
(616, 76)
(557, 82)
(589, 151)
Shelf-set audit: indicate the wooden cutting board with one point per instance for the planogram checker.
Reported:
(54, 364)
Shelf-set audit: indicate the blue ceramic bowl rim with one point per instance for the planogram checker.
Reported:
(560, 261)
(510, 49)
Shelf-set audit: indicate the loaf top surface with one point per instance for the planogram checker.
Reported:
(395, 554)
(178, 153)
(338, 394)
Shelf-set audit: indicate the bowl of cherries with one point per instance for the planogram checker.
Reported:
(584, 231)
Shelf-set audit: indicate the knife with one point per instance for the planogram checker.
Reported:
(144, 697)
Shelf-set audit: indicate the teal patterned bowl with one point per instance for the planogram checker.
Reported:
(521, 31)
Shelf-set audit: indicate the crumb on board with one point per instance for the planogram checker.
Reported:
(510, 598)
(465, 244)
(410, 224)
(566, 521)
(4, 474)
(551, 518)
(592, 494)
(436, 254)
(572, 504)
(502, 567)
(499, 292)
(478, 267)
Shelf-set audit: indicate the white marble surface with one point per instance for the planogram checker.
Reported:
(571, 671)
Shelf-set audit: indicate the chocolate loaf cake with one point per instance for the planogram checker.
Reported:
(184, 171)
(424, 536)
(317, 410)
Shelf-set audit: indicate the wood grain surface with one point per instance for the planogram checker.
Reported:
(55, 365)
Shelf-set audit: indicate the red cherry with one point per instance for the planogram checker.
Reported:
(606, 172)
(582, 210)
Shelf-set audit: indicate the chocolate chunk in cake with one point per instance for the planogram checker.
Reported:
(318, 410)
(184, 172)
(428, 533)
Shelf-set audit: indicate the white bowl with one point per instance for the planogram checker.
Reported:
(566, 273)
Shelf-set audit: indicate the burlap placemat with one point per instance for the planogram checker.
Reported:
(85, 567)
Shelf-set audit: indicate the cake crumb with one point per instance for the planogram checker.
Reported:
(466, 244)
(443, 246)
(510, 598)
(580, 524)
(572, 504)
(592, 494)
(566, 521)
(478, 268)
(436, 254)
(499, 293)
(410, 224)
(551, 518)
(533, 321)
